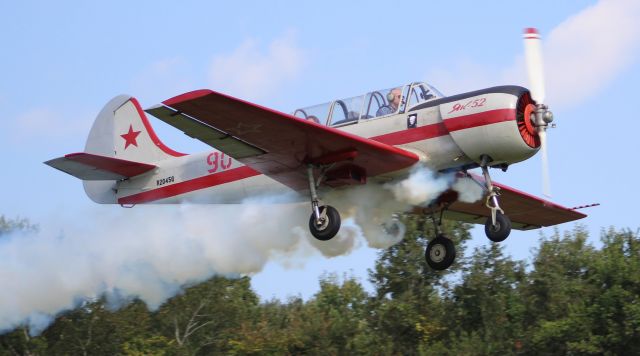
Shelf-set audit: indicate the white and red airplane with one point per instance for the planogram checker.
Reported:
(369, 139)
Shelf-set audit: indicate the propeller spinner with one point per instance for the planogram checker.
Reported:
(543, 117)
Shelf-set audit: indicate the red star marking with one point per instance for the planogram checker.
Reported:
(130, 137)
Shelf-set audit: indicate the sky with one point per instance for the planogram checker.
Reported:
(62, 61)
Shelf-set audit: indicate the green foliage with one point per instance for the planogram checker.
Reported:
(153, 345)
(13, 225)
(573, 299)
(486, 304)
(19, 342)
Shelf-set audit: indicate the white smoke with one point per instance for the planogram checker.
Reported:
(468, 190)
(343, 243)
(373, 207)
(148, 252)
(151, 252)
(422, 186)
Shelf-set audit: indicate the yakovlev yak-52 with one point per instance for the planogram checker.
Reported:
(373, 138)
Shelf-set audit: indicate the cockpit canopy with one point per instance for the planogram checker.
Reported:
(378, 103)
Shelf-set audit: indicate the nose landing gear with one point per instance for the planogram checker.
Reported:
(441, 251)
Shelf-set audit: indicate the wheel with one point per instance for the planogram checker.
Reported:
(440, 253)
(501, 230)
(328, 227)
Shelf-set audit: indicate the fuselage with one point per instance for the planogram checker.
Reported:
(446, 133)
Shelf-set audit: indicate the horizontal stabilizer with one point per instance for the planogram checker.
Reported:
(87, 166)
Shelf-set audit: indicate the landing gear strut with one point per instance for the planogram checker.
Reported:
(440, 252)
(498, 226)
(324, 222)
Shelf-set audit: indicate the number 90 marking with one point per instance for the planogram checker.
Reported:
(218, 161)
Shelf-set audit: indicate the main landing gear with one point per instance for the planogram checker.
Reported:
(498, 226)
(324, 222)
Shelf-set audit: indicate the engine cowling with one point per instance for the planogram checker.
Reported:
(494, 122)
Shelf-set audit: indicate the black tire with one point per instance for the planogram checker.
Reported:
(501, 230)
(329, 228)
(440, 253)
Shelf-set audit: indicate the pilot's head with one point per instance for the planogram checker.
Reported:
(394, 97)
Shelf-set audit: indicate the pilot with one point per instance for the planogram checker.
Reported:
(394, 97)
(313, 118)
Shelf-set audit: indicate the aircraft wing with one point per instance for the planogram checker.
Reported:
(277, 144)
(525, 211)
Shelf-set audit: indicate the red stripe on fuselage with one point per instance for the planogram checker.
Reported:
(440, 129)
(480, 119)
(207, 181)
(413, 135)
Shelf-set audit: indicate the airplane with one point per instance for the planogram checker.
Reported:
(372, 139)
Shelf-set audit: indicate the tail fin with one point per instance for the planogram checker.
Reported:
(122, 131)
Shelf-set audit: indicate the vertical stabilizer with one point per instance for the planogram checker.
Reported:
(122, 131)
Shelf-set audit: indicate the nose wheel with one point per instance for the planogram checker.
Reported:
(440, 253)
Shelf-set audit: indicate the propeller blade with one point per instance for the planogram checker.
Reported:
(533, 57)
(546, 181)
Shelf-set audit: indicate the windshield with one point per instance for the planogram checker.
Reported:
(317, 113)
(422, 92)
(346, 111)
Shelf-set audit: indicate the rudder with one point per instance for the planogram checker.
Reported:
(121, 130)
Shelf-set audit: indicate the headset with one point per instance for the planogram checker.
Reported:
(390, 95)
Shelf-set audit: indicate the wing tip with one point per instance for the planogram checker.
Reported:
(187, 96)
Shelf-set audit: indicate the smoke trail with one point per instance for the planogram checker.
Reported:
(151, 252)
(146, 252)
(468, 190)
(373, 207)
(422, 186)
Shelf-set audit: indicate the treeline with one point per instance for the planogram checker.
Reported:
(572, 299)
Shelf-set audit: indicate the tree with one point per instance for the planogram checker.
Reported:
(407, 312)
(613, 309)
(93, 328)
(19, 341)
(557, 293)
(207, 316)
(485, 309)
(339, 310)
(8, 226)
(332, 322)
